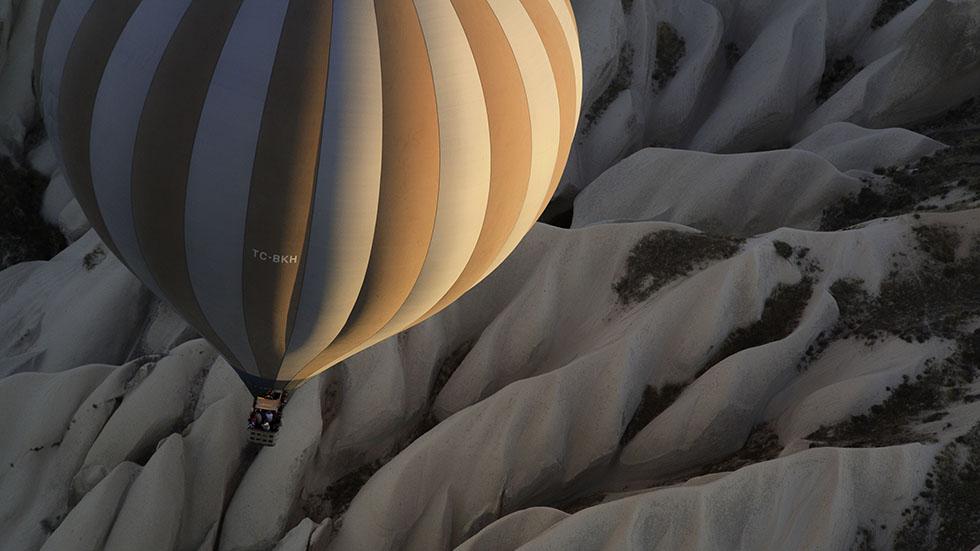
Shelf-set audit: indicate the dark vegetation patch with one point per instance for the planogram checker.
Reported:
(246, 458)
(835, 75)
(579, 503)
(938, 241)
(934, 299)
(946, 513)
(447, 366)
(627, 6)
(853, 303)
(783, 249)
(954, 169)
(867, 204)
(670, 49)
(620, 82)
(660, 257)
(931, 301)
(24, 235)
(780, 316)
(443, 372)
(51, 523)
(761, 445)
(887, 10)
(334, 500)
(938, 298)
(887, 423)
(799, 256)
(94, 257)
(653, 403)
(919, 400)
(732, 54)
(956, 127)
(864, 540)
(35, 135)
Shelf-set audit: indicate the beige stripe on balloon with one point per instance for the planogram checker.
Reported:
(542, 95)
(510, 142)
(409, 179)
(464, 174)
(566, 17)
(560, 56)
(348, 182)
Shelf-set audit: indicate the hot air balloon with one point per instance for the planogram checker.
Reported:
(301, 179)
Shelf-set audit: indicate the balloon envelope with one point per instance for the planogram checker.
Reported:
(304, 178)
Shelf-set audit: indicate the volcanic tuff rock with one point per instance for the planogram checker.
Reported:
(691, 365)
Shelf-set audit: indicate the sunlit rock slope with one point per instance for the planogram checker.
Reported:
(760, 331)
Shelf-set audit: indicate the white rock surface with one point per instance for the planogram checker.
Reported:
(537, 406)
(57, 196)
(87, 525)
(499, 423)
(213, 449)
(151, 512)
(44, 160)
(59, 416)
(725, 194)
(514, 530)
(48, 323)
(522, 429)
(161, 403)
(72, 222)
(816, 499)
(755, 113)
(512, 414)
(936, 64)
(846, 380)
(297, 539)
(922, 62)
(257, 515)
(850, 147)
